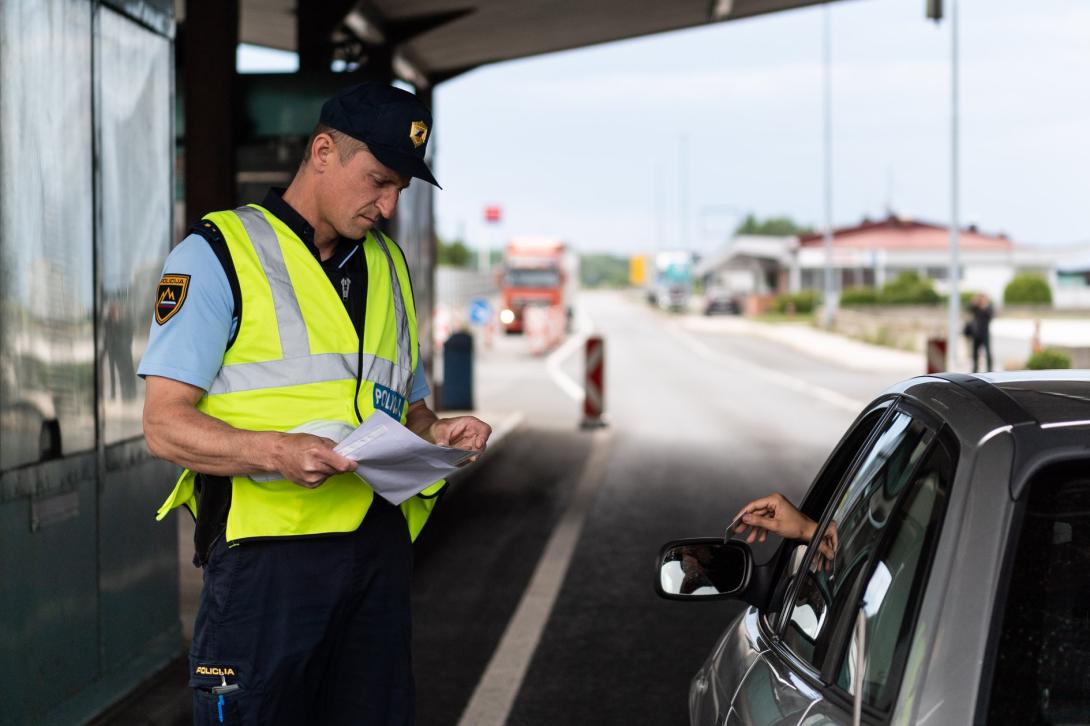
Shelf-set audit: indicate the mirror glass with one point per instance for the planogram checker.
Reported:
(702, 567)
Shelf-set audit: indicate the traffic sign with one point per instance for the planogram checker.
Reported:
(480, 311)
(492, 213)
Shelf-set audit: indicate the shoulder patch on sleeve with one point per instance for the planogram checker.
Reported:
(169, 296)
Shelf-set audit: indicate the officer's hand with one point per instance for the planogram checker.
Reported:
(308, 460)
(461, 432)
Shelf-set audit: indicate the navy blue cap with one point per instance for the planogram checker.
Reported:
(393, 123)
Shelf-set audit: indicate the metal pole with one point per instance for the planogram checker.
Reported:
(830, 294)
(660, 196)
(954, 328)
(683, 202)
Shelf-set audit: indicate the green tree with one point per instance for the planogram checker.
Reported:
(603, 271)
(1027, 288)
(454, 254)
(774, 226)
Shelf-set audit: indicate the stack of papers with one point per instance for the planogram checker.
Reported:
(396, 462)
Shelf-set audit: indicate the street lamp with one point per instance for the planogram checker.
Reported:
(830, 291)
(953, 329)
(955, 221)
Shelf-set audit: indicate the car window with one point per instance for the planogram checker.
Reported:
(832, 475)
(842, 546)
(896, 583)
(1042, 666)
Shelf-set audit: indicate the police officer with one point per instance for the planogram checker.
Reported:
(271, 317)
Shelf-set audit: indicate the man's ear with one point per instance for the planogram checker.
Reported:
(323, 149)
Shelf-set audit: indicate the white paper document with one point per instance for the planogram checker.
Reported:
(393, 460)
(396, 462)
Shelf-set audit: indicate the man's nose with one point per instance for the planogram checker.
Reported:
(387, 203)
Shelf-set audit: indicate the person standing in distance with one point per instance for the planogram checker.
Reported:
(269, 318)
(980, 327)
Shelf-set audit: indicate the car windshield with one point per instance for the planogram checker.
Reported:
(533, 278)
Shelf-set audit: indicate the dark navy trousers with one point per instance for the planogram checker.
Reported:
(307, 631)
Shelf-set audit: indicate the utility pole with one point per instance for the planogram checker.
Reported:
(830, 296)
(954, 326)
(660, 203)
(683, 201)
(934, 11)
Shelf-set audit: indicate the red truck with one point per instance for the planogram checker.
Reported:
(538, 271)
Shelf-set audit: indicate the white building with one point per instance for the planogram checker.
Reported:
(873, 252)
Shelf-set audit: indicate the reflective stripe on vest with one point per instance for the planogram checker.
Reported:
(289, 318)
(297, 364)
(311, 369)
(295, 360)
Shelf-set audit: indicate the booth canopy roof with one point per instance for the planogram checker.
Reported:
(447, 37)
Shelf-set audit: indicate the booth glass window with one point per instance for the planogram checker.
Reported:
(47, 352)
(136, 156)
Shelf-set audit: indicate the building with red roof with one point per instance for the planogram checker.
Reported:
(875, 251)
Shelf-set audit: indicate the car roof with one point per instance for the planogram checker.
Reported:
(1046, 412)
(1058, 397)
(1043, 397)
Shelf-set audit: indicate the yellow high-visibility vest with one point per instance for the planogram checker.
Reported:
(295, 361)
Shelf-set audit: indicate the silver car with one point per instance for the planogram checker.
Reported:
(958, 591)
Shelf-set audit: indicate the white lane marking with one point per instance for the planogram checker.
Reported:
(557, 358)
(491, 702)
(583, 323)
(821, 393)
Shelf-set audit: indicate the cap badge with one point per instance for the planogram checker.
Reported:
(418, 133)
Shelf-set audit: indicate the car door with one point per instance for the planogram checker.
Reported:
(871, 551)
(749, 636)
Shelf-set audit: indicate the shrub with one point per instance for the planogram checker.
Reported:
(803, 302)
(965, 297)
(908, 288)
(1048, 359)
(859, 296)
(1027, 288)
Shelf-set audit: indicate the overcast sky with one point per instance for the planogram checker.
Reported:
(588, 144)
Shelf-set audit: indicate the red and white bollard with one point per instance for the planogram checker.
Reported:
(936, 355)
(594, 388)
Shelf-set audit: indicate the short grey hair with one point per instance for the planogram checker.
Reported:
(347, 146)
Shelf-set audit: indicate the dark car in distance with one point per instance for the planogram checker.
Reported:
(721, 302)
(958, 587)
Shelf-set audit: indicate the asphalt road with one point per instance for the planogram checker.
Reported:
(700, 424)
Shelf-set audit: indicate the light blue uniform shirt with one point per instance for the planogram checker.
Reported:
(189, 346)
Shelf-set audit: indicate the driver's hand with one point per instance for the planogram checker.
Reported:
(773, 514)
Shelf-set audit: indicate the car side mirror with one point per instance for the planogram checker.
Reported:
(704, 569)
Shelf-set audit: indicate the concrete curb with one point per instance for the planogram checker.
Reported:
(804, 338)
